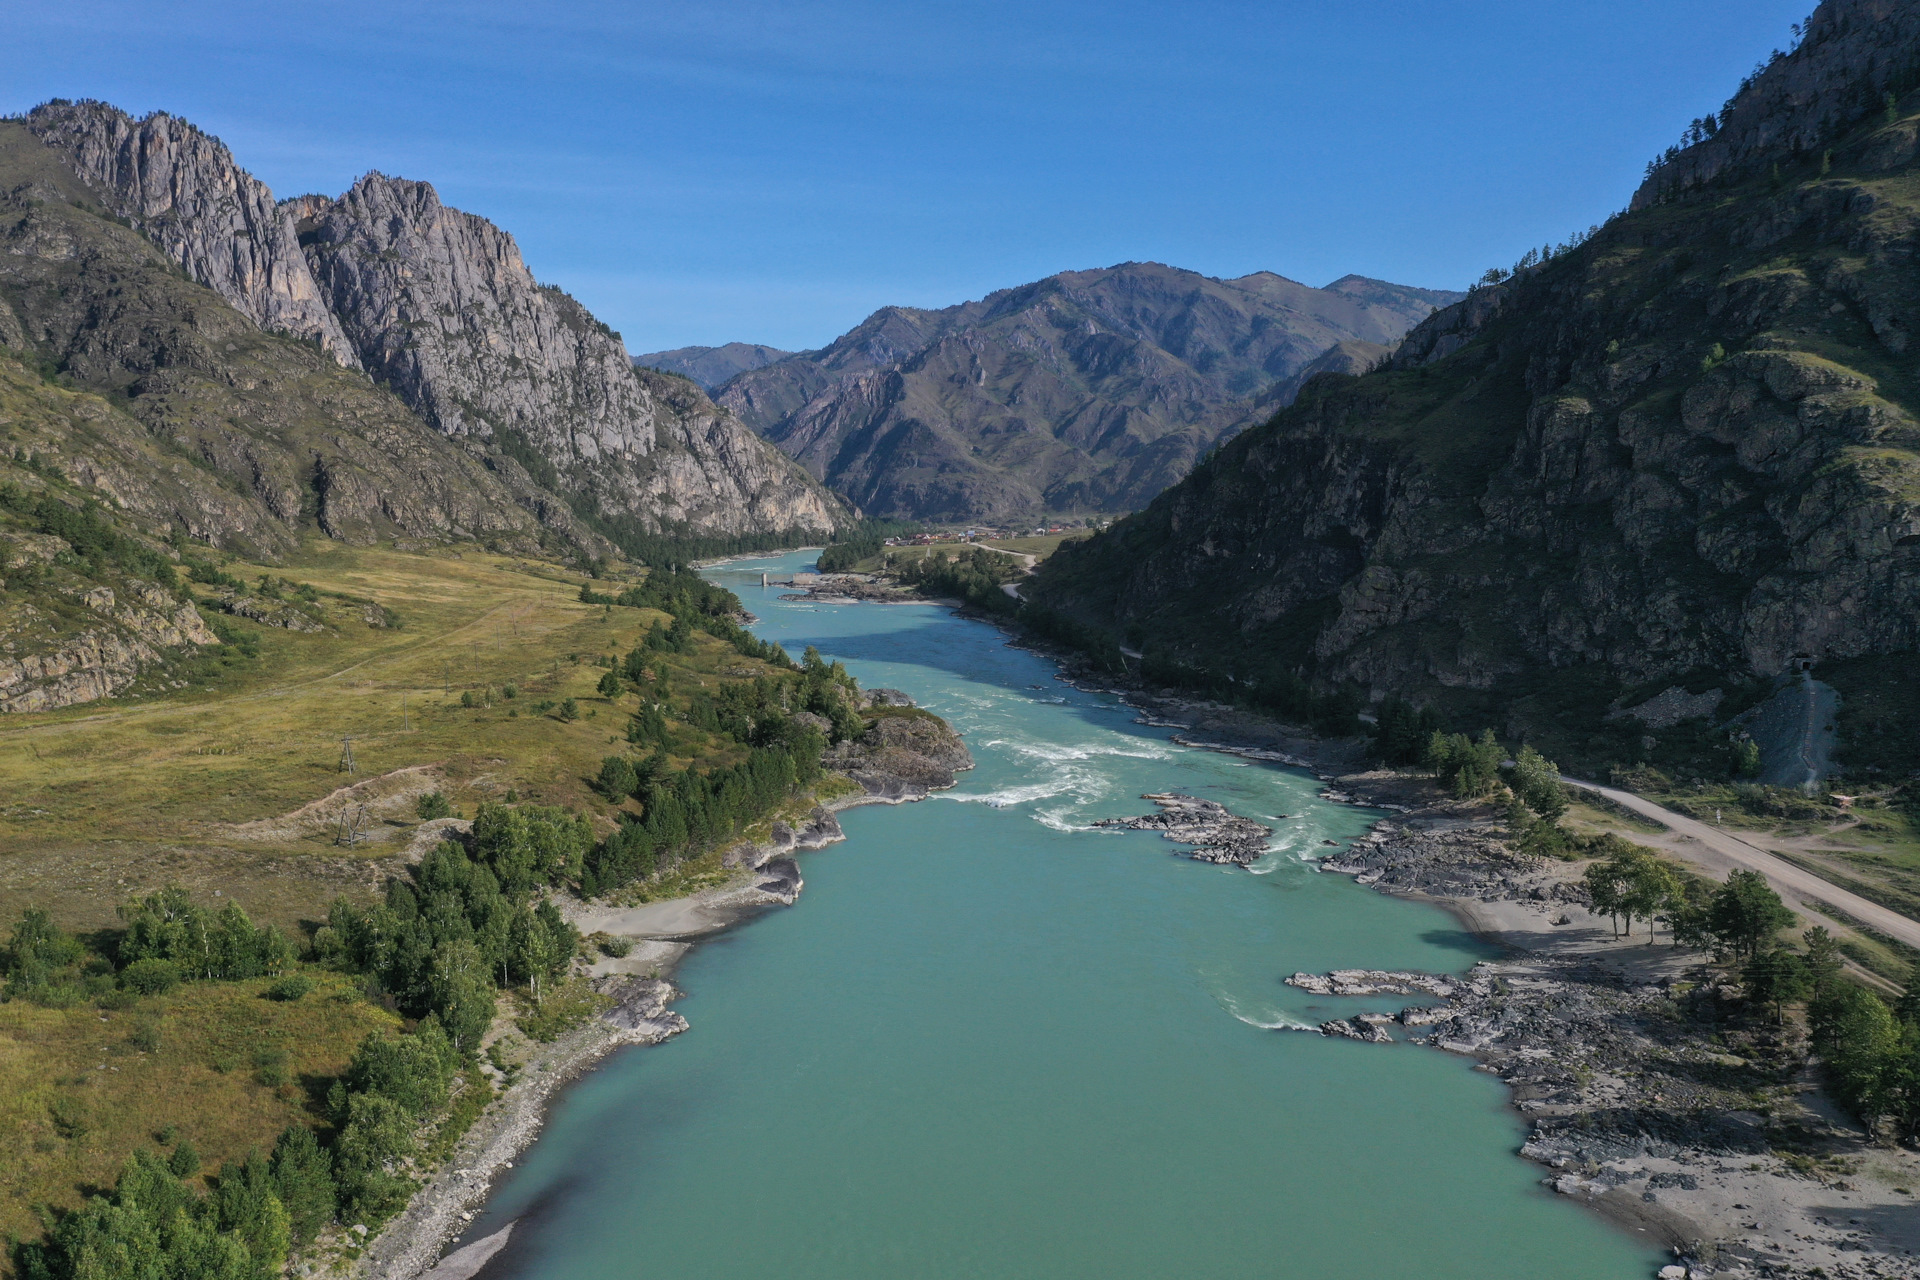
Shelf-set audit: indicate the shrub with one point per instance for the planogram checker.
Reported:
(617, 780)
(270, 1067)
(291, 987)
(69, 1116)
(185, 1161)
(150, 977)
(146, 1036)
(433, 805)
(569, 709)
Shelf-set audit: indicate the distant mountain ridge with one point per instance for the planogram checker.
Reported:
(712, 366)
(1087, 391)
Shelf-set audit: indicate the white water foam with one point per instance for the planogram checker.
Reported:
(1056, 752)
(1267, 1020)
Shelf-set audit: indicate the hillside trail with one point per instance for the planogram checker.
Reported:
(1719, 851)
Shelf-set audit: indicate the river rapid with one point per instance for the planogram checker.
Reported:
(990, 1041)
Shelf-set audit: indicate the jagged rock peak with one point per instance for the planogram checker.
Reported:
(439, 304)
(1851, 54)
(182, 190)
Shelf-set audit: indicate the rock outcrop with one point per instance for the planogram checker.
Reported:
(439, 305)
(1086, 391)
(903, 755)
(182, 190)
(1851, 55)
(178, 409)
(1686, 446)
(45, 663)
(1207, 827)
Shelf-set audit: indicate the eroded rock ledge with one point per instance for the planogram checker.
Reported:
(905, 754)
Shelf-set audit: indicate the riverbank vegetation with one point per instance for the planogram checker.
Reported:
(280, 986)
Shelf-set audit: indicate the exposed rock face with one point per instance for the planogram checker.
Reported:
(41, 669)
(712, 366)
(438, 304)
(1688, 445)
(183, 191)
(1852, 54)
(1086, 391)
(902, 757)
(174, 377)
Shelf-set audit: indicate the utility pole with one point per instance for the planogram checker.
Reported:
(346, 756)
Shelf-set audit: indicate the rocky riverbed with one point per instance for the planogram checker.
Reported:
(1214, 834)
(1652, 1093)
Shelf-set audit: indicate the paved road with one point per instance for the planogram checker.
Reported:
(1722, 851)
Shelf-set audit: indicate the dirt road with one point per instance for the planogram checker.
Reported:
(1719, 851)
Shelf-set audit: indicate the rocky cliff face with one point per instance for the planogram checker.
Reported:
(182, 190)
(189, 417)
(438, 304)
(47, 661)
(1852, 54)
(1086, 391)
(1687, 448)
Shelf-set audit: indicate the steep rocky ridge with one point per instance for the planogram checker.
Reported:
(1086, 391)
(439, 304)
(182, 190)
(128, 386)
(1686, 448)
(1850, 56)
(712, 366)
(198, 420)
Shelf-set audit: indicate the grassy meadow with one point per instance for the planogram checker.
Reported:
(235, 783)
(226, 1068)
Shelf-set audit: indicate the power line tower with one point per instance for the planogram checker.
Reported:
(346, 756)
(352, 821)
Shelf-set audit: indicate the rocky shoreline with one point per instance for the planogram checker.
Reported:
(1650, 1095)
(1650, 1092)
(902, 759)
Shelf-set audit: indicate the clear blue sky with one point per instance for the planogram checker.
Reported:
(772, 172)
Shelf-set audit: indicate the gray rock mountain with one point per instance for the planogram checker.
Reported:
(1087, 391)
(182, 190)
(438, 305)
(712, 366)
(185, 416)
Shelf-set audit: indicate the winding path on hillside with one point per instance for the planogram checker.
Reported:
(1720, 851)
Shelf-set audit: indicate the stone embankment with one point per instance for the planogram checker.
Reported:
(1214, 834)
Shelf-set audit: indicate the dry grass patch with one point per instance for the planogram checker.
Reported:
(80, 1089)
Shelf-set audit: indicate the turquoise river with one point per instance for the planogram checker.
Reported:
(990, 1042)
